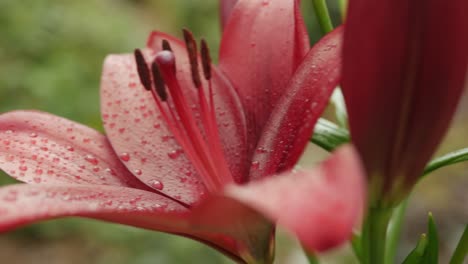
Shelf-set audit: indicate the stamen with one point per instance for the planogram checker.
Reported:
(166, 63)
(206, 60)
(193, 57)
(166, 45)
(158, 82)
(143, 70)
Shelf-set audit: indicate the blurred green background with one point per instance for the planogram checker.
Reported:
(51, 53)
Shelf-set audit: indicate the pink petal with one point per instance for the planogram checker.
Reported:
(225, 9)
(126, 206)
(320, 206)
(261, 47)
(42, 148)
(116, 204)
(402, 81)
(292, 121)
(142, 139)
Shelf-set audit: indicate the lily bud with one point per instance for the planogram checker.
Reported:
(405, 65)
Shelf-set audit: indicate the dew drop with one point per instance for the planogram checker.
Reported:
(70, 148)
(125, 156)
(110, 171)
(255, 165)
(10, 197)
(174, 153)
(91, 159)
(33, 135)
(137, 172)
(157, 185)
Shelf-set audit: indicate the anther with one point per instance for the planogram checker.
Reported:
(166, 45)
(193, 57)
(206, 60)
(142, 69)
(158, 81)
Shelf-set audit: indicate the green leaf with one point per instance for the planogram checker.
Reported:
(417, 254)
(431, 255)
(462, 249)
(328, 135)
(447, 159)
(337, 99)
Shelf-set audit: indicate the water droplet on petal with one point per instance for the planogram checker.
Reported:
(125, 156)
(255, 165)
(137, 172)
(174, 153)
(91, 159)
(157, 185)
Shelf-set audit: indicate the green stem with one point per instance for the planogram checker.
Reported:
(323, 17)
(312, 258)
(342, 5)
(374, 235)
(394, 231)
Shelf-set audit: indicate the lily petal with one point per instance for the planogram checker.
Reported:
(126, 206)
(405, 65)
(292, 121)
(261, 47)
(225, 9)
(111, 203)
(320, 206)
(141, 137)
(38, 147)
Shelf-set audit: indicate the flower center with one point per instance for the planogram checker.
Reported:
(201, 143)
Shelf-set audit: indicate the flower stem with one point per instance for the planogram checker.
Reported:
(394, 231)
(374, 235)
(342, 4)
(321, 11)
(312, 258)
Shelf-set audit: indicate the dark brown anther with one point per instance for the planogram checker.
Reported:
(166, 45)
(142, 69)
(193, 57)
(158, 81)
(206, 60)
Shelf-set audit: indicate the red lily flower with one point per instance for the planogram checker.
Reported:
(192, 156)
(405, 65)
